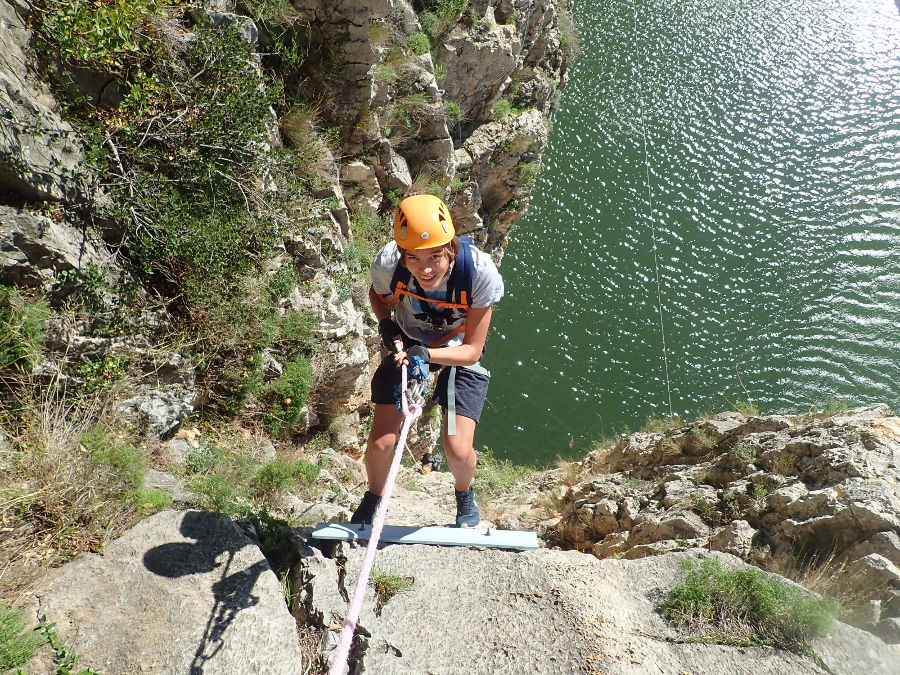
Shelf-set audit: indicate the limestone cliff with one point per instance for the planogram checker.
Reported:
(356, 104)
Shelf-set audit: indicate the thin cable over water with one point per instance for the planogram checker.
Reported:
(662, 327)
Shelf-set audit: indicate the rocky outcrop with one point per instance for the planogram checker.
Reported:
(183, 592)
(409, 121)
(40, 155)
(772, 490)
(538, 612)
(190, 592)
(420, 121)
(35, 249)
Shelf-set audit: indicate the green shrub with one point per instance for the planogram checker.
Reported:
(704, 440)
(494, 476)
(747, 607)
(17, 643)
(386, 72)
(84, 288)
(439, 16)
(419, 44)
(746, 408)
(65, 661)
(568, 34)
(112, 35)
(413, 110)
(395, 196)
(745, 452)
(279, 475)
(288, 395)
(191, 146)
(100, 374)
(232, 326)
(387, 585)
(528, 171)
(228, 477)
(150, 500)
(454, 112)
(503, 108)
(219, 493)
(21, 329)
(368, 234)
(269, 11)
(73, 484)
(282, 282)
(379, 33)
(121, 461)
(203, 458)
(297, 330)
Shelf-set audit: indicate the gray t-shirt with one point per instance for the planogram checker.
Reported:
(412, 315)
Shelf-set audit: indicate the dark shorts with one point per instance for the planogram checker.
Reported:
(471, 388)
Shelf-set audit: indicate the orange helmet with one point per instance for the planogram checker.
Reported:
(422, 221)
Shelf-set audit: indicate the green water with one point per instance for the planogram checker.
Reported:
(772, 224)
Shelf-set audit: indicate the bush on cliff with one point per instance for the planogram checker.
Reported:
(184, 149)
(747, 607)
(68, 485)
(17, 643)
(21, 330)
(228, 475)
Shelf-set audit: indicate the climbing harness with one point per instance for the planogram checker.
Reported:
(662, 328)
(411, 406)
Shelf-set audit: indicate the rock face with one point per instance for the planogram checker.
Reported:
(770, 490)
(396, 105)
(409, 120)
(544, 611)
(39, 152)
(34, 249)
(183, 592)
(495, 614)
(188, 592)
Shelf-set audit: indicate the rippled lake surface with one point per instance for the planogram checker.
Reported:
(753, 252)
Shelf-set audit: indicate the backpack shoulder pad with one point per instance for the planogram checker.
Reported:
(463, 271)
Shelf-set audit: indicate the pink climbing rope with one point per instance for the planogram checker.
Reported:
(410, 413)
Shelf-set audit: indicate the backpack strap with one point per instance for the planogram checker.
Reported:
(400, 279)
(460, 283)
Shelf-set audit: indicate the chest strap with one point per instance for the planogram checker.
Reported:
(402, 289)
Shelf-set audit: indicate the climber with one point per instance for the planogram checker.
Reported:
(432, 293)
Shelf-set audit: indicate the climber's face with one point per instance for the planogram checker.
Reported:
(428, 266)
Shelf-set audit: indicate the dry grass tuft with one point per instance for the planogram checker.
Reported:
(822, 573)
(59, 498)
(570, 473)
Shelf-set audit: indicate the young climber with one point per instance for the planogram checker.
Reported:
(444, 326)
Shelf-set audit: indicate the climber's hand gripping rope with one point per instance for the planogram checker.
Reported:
(416, 364)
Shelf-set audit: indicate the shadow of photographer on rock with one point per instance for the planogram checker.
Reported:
(210, 553)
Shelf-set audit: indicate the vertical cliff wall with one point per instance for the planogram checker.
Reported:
(194, 197)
